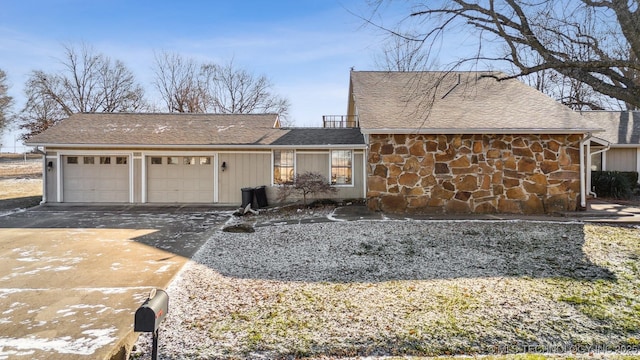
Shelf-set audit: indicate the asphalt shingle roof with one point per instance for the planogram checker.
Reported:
(620, 127)
(456, 102)
(321, 136)
(161, 129)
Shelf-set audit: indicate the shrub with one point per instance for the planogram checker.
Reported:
(613, 184)
(308, 183)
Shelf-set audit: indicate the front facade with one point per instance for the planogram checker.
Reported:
(467, 143)
(421, 142)
(190, 159)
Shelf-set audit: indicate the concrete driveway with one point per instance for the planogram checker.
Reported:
(71, 278)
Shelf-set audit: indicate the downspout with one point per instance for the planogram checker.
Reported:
(589, 192)
(44, 174)
(583, 184)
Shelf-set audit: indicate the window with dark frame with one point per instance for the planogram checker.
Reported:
(121, 160)
(105, 160)
(89, 160)
(72, 159)
(341, 167)
(205, 160)
(283, 166)
(156, 161)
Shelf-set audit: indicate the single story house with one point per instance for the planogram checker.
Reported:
(622, 133)
(447, 142)
(463, 142)
(190, 158)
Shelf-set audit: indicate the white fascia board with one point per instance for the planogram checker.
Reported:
(199, 147)
(481, 131)
(625, 146)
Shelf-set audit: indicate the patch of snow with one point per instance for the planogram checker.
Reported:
(164, 268)
(86, 345)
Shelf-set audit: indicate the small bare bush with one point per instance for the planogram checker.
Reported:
(307, 184)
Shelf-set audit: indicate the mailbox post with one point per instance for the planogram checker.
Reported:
(150, 314)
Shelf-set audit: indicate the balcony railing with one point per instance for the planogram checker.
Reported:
(340, 121)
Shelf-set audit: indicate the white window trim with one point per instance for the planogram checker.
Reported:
(273, 164)
(353, 180)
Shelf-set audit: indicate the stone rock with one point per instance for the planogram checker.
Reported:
(527, 165)
(460, 162)
(557, 203)
(394, 170)
(520, 151)
(412, 165)
(239, 228)
(408, 179)
(400, 139)
(467, 183)
(549, 166)
(516, 193)
(493, 154)
(509, 206)
(377, 183)
(457, 207)
(431, 146)
(381, 170)
(393, 159)
(417, 149)
(387, 149)
(463, 195)
(533, 205)
(402, 150)
(393, 203)
(485, 208)
(442, 168)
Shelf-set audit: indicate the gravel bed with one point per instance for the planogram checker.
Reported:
(381, 288)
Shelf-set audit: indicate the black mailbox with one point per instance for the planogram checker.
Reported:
(151, 313)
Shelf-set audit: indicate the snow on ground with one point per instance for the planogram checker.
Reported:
(391, 287)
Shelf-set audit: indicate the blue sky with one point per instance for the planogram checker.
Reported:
(306, 47)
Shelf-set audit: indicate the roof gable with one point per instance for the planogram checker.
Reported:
(456, 102)
(620, 127)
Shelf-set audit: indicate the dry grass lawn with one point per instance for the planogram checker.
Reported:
(407, 288)
(20, 182)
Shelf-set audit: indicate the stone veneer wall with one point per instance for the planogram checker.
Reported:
(522, 174)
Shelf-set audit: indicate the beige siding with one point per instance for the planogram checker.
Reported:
(624, 159)
(52, 179)
(242, 170)
(312, 162)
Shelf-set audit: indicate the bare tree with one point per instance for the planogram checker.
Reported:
(180, 83)
(87, 82)
(5, 102)
(237, 91)
(596, 43)
(187, 86)
(401, 54)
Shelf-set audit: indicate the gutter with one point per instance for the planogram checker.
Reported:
(589, 191)
(583, 184)
(201, 147)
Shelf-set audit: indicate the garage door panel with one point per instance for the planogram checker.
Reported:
(180, 183)
(95, 182)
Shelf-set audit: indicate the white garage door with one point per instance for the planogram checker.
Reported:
(96, 178)
(180, 179)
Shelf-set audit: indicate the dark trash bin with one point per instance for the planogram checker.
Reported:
(261, 196)
(247, 197)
